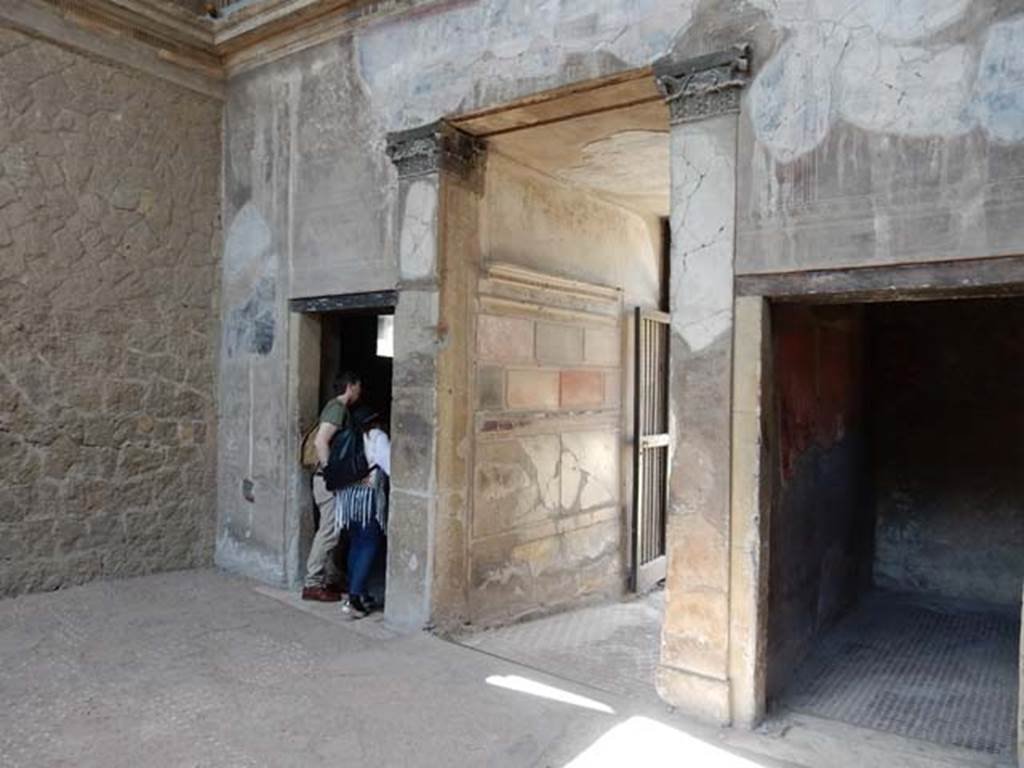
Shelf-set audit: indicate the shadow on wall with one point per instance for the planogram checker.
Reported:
(821, 512)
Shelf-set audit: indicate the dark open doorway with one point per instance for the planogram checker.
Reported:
(897, 525)
(356, 333)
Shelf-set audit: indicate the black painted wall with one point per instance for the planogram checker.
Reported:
(947, 408)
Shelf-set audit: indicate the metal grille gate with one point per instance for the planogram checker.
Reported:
(650, 447)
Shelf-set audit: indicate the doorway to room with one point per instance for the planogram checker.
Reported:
(361, 342)
(897, 523)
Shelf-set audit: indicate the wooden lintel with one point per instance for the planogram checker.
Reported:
(937, 280)
(382, 301)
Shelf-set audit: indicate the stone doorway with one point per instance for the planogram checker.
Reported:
(569, 206)
(342, 333)
(897, 516)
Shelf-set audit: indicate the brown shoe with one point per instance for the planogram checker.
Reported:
(321, 594)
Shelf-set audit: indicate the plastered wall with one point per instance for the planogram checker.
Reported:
(905, 148)
(947, 407)
(547, 524)
(821, 515)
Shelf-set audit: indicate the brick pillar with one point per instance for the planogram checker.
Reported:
(704, 96)
(431, 161)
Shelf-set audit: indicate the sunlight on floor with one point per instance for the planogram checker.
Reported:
(532, 687)
(645, 743)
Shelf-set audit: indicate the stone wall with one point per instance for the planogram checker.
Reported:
(109, 235)
(947, 406)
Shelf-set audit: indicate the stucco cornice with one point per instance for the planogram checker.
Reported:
(198, 51)
(162, 40)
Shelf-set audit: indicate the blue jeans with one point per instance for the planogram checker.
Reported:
(364, 541)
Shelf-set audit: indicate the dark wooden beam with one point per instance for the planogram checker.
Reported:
(383, 301)
(966, 278)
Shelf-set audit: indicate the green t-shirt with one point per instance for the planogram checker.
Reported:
(336, 413)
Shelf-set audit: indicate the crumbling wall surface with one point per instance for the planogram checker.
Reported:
(947, 407)
(883, 132)
(905, 143)
(821, 515)
(109, 242)
(306, 214)
(547, 524)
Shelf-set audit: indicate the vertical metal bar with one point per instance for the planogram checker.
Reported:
(635, 532)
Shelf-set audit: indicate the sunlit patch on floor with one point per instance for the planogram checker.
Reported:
(640, 741)
(534, 688)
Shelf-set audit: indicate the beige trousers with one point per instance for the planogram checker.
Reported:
(321, 570)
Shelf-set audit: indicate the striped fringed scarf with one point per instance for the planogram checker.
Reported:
(359, 503)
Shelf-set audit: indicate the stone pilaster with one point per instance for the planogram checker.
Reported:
(703, 96)
(428, 160)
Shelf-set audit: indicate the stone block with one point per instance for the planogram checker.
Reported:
(594, 543)
(613, 389)
(559, 344)
(695, 632)
(589, 471)
(581, 389)
(413, 447)
(542, 555)
(701, 698)
(603, 346)
(490, 387)
(532, 389)
(504, 339)
(698, 546)
(516, 484)
(417, 248)
(500, 582)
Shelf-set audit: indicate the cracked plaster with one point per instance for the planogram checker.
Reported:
(885, 66)
(417, 244)
(703, 169)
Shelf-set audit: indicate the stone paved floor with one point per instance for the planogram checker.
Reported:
(612, 647)
(204, 670)
(936, 672)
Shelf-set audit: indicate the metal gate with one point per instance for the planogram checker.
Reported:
(650, 447)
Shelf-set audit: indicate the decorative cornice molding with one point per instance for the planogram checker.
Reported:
(196, 50)
(433, 148)
(705, 86)
(140, 34)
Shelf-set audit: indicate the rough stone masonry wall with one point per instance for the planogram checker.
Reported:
(109, 216)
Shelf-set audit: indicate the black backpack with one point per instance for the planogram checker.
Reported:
(346, 462)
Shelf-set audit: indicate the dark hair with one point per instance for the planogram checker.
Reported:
(344, 380)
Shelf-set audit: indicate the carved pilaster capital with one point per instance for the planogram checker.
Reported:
(434, 148)
(705, 86)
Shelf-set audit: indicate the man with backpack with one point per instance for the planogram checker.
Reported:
(322, 577)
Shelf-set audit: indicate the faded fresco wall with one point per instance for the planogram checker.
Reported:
(109, 242)
(877, 131)
(884, 132)
(947, 406)
(821, 516)
(547, 523)
(306, 193)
